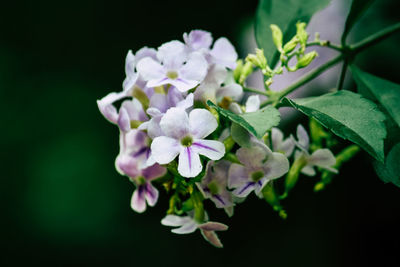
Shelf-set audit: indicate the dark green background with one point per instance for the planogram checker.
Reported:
(64, 204)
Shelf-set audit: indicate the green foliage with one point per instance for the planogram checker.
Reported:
(257, 123)
(390, 170)
(358, 7)
(285, 14)
(349, 116)
(386, 93)
(240, 135)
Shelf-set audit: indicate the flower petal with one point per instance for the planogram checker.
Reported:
(252, 157)
(322, 158)
(174, 220)
(164, 149)
(212, 237)
(186, 228)
(276, 166)
(138, 202)
(308, 170)
(153, 172)
(213, 226)
(189, 163)
(244, 190)
(127, 165)
(210, 148)
(237, 175)
(287, 147)
(107, 109)
(172, 54)
(175, 123)
(224, 53)
(252, 103)
(302, 137)
(202, 123)
(198, 39)
(276, 138)
(151, 194)
(124, 123)
(150, 69)
(186, 103)
(183, 85)
(232, 90)
(195, 68)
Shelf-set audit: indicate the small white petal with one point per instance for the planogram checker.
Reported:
(232, 90)
(322, 158)
(189, 163)
(138, 202)
(173, 220)
(202, 123)
(212, 149)
(164, 149)
(195, 68)
(186, 228)
(302, 137)
(224, 53)
(150, 69)
(151, 194)
(308, 170)
(175, 123)
(252, 103)
(276, 166)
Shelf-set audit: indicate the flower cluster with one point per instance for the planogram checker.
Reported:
(171, 137)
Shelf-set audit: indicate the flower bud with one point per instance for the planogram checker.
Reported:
(246, 71)
(258, 59)
(277, 36)
(289, 46)
(238, 70)
(306, 60)
(301, 33)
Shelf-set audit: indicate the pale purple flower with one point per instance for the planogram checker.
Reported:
(187, 225)
(184, 137)
(198, 40)
(279, 144)
(213, 87)
(322, 158)
(260, 165)
(175, 67)
(213, 185)
(223, 53)
(157, 112)
(130, 112)
(145, 191)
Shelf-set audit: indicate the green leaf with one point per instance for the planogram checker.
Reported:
(257, 123)
(384, 91)
(285, 14)
(390, 171)
(358, 7)
(349, 116)
(240, 135)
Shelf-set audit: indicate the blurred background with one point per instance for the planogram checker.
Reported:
(63, 203)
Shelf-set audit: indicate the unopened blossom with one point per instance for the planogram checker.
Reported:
(322, 158)
(131, 115)
(187, 225)
(175, 67)
(259, 166)
(214, 185)
(279, 144)
(184, 136)
(252, 105)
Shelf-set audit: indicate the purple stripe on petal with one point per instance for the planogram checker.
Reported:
(149, 190)
(204, 146)
(245, 187)
(189, 157)
(183, 81)
(259, 183)
(219, 198)
(140, 152)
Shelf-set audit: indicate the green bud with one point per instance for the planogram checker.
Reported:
(293, 174)
(306, 59)
(301, 33)
(289, 46)
(238, 70)
(272, 198)
(258, 59)
(246, 71)
(277, 36)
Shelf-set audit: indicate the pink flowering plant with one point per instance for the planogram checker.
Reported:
(190, 127)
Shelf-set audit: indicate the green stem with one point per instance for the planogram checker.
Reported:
(303, 80)
(342, 75)
(326, 44)
(255, 91)
(375, 38)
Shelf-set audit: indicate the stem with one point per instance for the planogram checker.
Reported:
(342, 75)
(255, 91)
(306, 78)
(375, 38)
(326, 44)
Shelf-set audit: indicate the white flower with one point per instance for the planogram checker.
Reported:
(184, 137)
